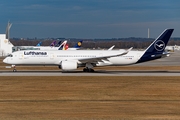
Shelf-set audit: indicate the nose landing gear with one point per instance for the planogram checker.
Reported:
(14, 68)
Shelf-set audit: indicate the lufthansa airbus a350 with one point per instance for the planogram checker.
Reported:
(69, 60)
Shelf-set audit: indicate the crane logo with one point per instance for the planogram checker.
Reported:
(159, 45)
(79, 43)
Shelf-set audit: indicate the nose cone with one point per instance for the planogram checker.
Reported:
(5, 61)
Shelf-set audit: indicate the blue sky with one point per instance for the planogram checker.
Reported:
(89, 18)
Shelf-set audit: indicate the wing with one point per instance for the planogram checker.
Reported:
(102, 58)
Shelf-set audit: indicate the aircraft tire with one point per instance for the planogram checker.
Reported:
(91, 70)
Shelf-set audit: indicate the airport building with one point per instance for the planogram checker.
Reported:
(5, 44)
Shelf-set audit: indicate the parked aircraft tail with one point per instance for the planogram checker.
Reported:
(58, 44)
(65, 46)
(78, 45)
(53, 43)
(62, 46)
(156, 49)
(39, 44)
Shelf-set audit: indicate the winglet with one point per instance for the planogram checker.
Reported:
(126, 51)
(130, 49)
(111, 47)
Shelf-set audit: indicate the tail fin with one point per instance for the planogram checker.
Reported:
(66, 47)
(78, 45)
(58, 44)
(53, 44)
(62, 46)
(156, 49)
(39, 44)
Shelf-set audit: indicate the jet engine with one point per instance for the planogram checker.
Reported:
(68, 65)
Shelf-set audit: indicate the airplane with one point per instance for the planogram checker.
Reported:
(57, 46)
(53, 44)
(49, 48)
(60, 46)
(69, 60)
(172, 48)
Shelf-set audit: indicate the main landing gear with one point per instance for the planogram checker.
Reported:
(88, 70)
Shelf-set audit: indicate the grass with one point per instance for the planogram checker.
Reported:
(92, 97)
(95, 97)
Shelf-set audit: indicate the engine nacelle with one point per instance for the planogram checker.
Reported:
(68, 65)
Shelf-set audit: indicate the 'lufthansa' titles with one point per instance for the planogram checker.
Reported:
(35, 53)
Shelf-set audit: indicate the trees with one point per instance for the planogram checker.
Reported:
(124, 43)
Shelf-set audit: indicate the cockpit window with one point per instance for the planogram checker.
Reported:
(10, 55)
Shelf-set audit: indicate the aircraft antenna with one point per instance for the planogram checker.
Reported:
(8, 30)
(148, 32)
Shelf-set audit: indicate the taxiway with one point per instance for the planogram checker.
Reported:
(96, 73)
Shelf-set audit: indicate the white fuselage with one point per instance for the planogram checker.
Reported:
(130, 58)
(55, 57)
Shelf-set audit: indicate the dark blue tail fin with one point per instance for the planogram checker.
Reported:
(58, 44)
(156, 49)
(78, 45)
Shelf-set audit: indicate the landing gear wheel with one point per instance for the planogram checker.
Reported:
(88, 70)
(85, 70)
(91, 70)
